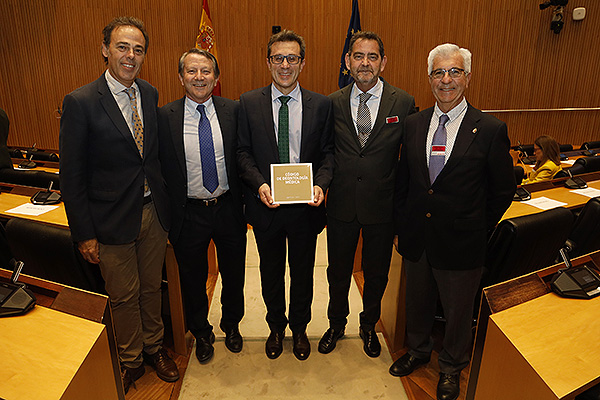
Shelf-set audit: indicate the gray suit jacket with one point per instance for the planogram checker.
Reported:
(363, 178)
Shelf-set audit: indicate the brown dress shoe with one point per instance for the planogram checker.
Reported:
(274, 344)
(301, 345)
(130, 375)
(165, 367)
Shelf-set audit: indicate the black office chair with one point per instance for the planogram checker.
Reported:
(49, 253)
(566, 147)
(590, 164)
(585, 235)
(590, 145)
(38, 179)
(525, 244)
(519, 174)
(41, 155)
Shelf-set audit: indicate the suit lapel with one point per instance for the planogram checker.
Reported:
(175, 118)
(266, 109)
(388, 98)
(347, 113)
(464, 138)
(307, 118)
(227, 130)
(422, 130)
(114, 112)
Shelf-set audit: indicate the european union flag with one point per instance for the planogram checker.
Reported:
(345, 77)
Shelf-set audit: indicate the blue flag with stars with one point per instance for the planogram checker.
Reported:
(345, 77)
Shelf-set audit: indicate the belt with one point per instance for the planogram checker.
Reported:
(208, 202)
(148, 199)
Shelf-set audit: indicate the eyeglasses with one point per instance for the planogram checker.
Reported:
(453, 72)
(292, 59)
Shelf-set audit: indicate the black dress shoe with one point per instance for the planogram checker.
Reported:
(204, 348)
(233, 339)
(371, 342)
(448, 386)
(329, 339)
(406, 365)
(274, 345)
(301, 345)
(130, 375)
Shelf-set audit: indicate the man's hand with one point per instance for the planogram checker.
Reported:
(318, 198)
(396, 243)
(90, 250)
(264, 192)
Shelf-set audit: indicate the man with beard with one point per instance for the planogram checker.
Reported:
(368, 125)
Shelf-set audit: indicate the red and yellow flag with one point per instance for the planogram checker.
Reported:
(206, 39)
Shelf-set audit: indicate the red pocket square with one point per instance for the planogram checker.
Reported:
(392, 120)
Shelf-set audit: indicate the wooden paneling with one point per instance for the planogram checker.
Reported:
(51, 47)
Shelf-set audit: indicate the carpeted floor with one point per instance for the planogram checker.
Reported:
(346, 373)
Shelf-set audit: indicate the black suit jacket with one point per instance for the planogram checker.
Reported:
(172, 155)
(257, 150)
(450, 219)
(101, 170)
(363, 178)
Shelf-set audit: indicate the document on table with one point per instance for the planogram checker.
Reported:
(544, 203)
(31, 209)
(589, 192)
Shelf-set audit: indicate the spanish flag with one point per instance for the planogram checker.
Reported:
(206, 39)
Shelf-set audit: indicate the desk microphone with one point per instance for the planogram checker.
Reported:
(15, 298)
(28, 164)
(587, 152)
(575, 182)
(46, 197)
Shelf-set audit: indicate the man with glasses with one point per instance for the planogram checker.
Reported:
(284, 123)
(369, 116)
(454, 183)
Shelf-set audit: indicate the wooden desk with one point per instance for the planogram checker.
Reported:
(562, 194)
(58, 217)
(47, 166)
(546, 348)
(48, 354)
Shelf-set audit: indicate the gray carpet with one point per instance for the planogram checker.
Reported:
(346, 373)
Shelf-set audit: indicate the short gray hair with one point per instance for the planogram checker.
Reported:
(448, 49)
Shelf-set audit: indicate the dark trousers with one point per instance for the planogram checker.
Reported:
(292, 225)
(201, 224)
(457, 290)
(342, 239)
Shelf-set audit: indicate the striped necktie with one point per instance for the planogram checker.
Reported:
(437, 157)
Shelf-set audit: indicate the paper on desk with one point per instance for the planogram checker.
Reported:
(544, 203)
(589, 192)
(31, 209)
(568, 162)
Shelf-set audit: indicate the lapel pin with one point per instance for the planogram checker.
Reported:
(474, 130)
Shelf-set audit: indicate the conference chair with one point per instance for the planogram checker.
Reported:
(566, 147)
(41, 155)
(585, 235)
(519, 174)
(525, 244)
(50, 253)
(590, 164)
(590, 145)
(38, 179)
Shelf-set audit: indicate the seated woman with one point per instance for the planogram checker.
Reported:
(547, 155)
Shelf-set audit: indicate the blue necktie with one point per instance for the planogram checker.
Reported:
(437, 157)
(207, 152)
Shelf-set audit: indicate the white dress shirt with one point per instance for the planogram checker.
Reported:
(373, 102)
(295, 118)
(456, 115)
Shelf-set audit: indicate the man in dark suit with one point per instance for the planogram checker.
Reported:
(115, 197)
(455, 181)
(198, 143)
(284, 123)
(368, 130)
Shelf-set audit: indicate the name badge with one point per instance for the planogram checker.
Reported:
(392, 120)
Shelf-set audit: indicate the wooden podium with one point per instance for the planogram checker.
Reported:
(49, 354)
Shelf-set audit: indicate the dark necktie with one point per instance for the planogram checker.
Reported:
(437, 157)
(283, 135)
(363, 119)
(207, 152)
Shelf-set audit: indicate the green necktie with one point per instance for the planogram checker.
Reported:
(283, 136)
